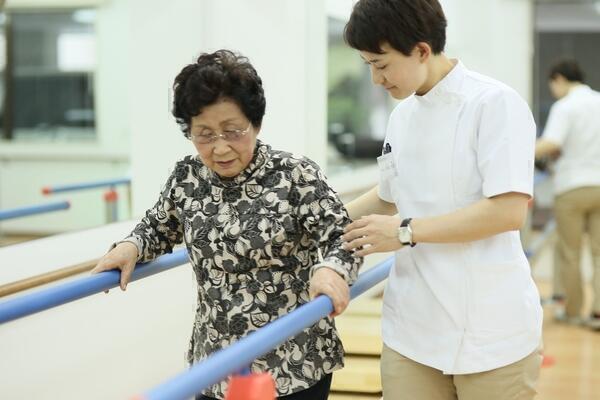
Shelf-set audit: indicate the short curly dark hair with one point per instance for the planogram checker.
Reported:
(214, 76)
(400, 23)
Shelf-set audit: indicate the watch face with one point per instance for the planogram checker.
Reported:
(404, 235)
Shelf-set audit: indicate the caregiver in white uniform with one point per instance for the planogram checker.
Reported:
(462, 316)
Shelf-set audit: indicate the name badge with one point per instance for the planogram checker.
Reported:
(387, 167)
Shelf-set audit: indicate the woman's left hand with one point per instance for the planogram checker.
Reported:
(328, 282)
(374, 234)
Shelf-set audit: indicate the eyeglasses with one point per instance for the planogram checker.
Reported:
(207, 136)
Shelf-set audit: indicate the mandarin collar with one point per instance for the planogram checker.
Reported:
(579, 89)
(259, 159)
(447, 89)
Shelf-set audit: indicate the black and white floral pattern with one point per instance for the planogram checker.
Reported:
(254, 241)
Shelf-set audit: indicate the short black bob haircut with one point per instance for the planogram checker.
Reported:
(213, 77)
(568, 69)
(400, 23)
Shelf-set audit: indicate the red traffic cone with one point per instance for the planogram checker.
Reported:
(251, 387)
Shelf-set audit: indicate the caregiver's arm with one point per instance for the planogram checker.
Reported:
(545, 148)
(369, 203)
(485, 218)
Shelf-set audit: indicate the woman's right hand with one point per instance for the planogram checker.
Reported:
(124, 257)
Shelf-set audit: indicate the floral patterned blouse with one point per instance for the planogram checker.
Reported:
(254, 241)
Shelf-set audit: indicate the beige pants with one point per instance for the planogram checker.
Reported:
(575, 211)
(404, 379)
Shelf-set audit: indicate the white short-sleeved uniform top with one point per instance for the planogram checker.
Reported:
(460, 307)
(574, 124)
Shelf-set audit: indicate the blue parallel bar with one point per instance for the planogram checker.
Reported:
(82, 186)
(240, 354)
(44, 299)
(32, 210)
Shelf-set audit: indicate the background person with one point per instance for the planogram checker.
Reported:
(573, 133)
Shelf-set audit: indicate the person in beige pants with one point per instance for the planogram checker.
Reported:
(573, 133)
(576, 211)
(461, 315)
(417, 381)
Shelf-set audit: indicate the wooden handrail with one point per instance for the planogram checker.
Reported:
(48, 277)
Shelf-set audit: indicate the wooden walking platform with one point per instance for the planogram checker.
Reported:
(360, 331)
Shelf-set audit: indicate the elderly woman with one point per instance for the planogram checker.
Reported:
(254, 221)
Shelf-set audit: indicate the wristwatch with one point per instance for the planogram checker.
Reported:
(405, 233)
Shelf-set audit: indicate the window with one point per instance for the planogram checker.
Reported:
(357, 110)
(49, 75)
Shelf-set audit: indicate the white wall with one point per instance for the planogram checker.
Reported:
(112, 76)
(495, 38)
